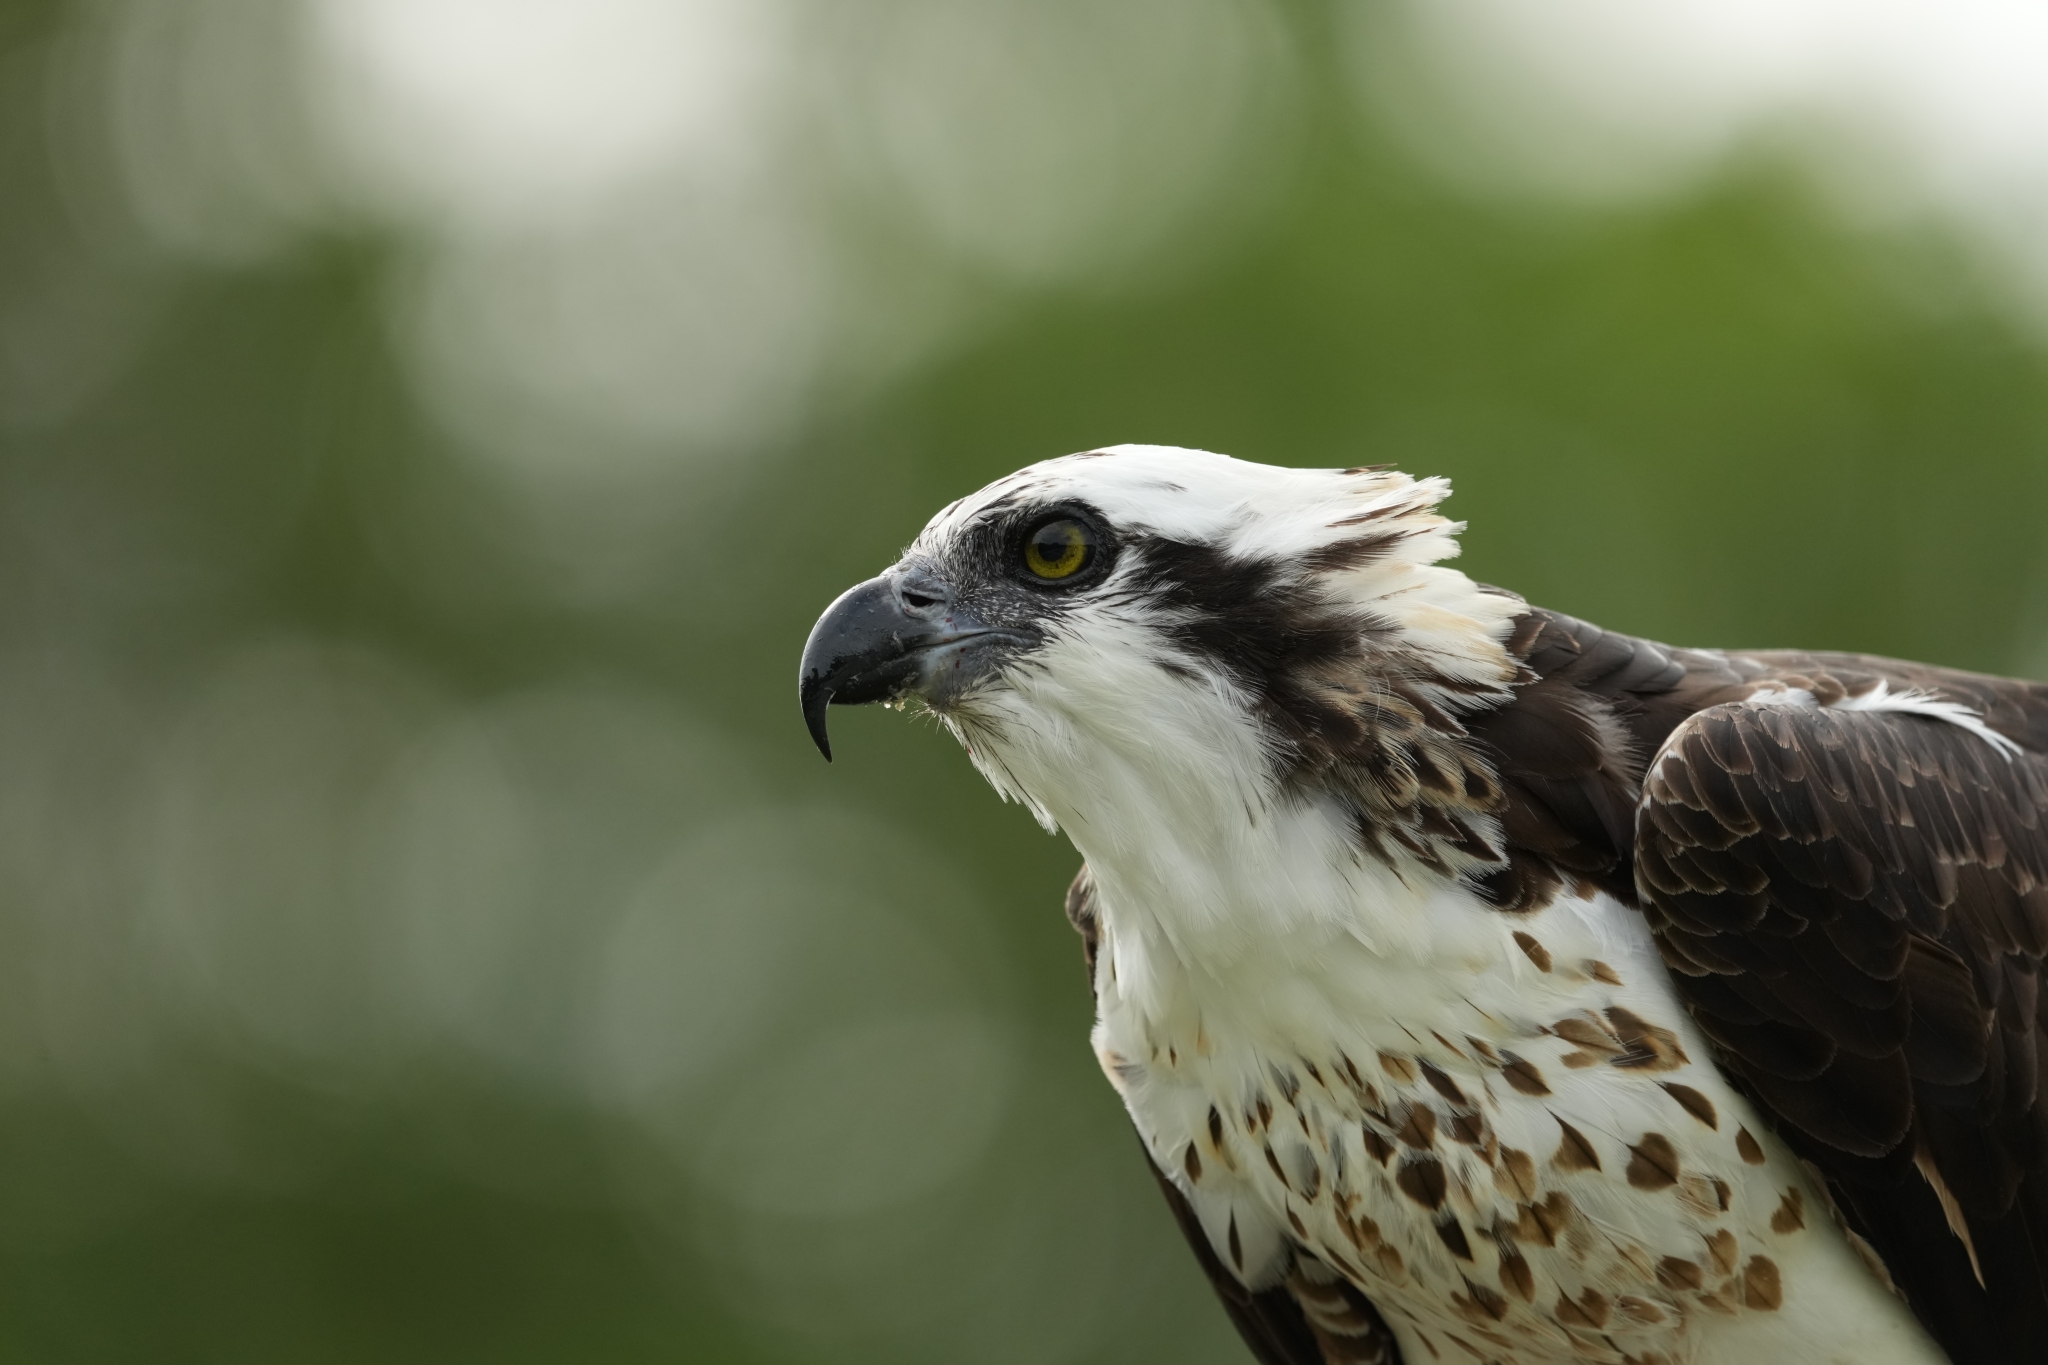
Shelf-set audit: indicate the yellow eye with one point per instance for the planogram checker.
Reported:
(1059, 549)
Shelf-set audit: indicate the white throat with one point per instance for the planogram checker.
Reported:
(1218, 891)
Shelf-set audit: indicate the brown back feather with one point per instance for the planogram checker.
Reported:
(1855, 909)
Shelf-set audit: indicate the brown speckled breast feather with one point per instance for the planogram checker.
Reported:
(1310, 1318)
(1854, 907)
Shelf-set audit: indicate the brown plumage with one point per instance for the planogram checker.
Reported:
(1854, 907)
(1303, 753)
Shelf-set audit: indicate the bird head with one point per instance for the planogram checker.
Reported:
(1202, 637)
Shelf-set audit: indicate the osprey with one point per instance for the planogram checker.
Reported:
(1486, 986)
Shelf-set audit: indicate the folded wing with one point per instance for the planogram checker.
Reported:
(1854, 905)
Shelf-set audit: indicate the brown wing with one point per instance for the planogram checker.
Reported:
(1855, 909)
(1595, 704)
(1311, 1317)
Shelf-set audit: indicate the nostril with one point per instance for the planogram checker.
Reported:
(918, 601)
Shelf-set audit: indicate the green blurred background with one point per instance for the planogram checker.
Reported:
(428, 429)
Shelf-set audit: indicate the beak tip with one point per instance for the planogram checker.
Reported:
(815, 699)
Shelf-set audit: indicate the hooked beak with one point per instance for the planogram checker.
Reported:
(882, 639)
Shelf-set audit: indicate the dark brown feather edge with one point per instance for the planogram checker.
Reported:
(1855, 909)
(1860, 1039)
(1272, 1321)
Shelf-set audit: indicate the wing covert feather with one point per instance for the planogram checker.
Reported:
(1854, 906)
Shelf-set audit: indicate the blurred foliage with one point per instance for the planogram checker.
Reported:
(260, 613)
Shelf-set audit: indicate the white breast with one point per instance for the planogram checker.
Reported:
(1508, 1135)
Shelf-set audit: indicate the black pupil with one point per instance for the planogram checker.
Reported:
(1060, 547)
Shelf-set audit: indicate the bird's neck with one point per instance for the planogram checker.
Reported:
(1213, 879)
(1214, 861)
(1282, 921)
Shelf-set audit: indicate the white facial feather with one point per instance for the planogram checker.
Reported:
(1153, 761)
(1195, 495)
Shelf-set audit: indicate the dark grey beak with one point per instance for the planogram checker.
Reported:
(891, 636)
(864, 648)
